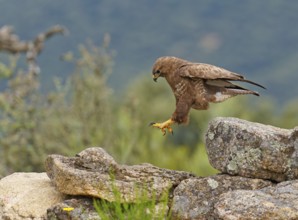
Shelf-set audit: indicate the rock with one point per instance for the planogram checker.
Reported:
(256, 153)
(253, 150)
(270, 203)
(75, 208)
(195, 198)
(93, 172)
(27, 196)
(81, 208)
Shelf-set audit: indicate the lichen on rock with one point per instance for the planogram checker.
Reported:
(248, 149)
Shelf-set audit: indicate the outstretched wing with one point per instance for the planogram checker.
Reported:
(210, 72)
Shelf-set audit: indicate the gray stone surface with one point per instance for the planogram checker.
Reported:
(93, 172)
(81, 209)
(271, 203)
(253, 157)
(195, 198)
(253, 150)
(27, 196)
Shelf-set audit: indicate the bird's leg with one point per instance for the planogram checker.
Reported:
(164, 126)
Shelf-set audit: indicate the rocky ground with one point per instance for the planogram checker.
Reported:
(258, 179)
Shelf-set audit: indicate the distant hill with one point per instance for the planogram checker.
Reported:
(256, 38)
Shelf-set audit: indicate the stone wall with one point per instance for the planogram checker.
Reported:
(258, 179)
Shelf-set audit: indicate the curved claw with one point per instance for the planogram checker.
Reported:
(151, 123)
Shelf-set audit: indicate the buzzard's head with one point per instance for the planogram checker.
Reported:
(164, 66)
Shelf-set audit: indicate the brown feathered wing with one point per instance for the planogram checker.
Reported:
(216, 77)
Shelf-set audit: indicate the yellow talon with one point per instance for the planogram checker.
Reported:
(164, 126)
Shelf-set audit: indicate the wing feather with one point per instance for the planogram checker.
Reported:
(210, 72)
(207, 71)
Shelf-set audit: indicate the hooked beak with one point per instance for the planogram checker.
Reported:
(155, 76)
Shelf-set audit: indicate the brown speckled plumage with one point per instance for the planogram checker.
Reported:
(196, 84)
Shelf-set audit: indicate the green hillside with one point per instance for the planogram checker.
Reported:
(256, 38)
(82, 110)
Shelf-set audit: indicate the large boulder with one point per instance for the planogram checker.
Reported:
(195, 198)
(248, 149)
(278, 202)
(27, 196)
(93, 172)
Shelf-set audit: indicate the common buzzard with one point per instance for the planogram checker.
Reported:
(195, 85)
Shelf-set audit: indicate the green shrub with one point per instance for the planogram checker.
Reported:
(142, 208)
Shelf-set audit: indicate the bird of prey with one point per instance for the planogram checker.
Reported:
(195, 85)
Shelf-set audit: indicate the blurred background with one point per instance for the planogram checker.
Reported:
(95, 86)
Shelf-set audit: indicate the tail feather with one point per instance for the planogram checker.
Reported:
(241, 91)
(222, 94)
(238, 90)
(221, 90)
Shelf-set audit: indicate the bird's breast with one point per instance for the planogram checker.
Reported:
(199, 85)
(180, 88)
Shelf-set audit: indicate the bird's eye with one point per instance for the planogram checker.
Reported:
(157, 71)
